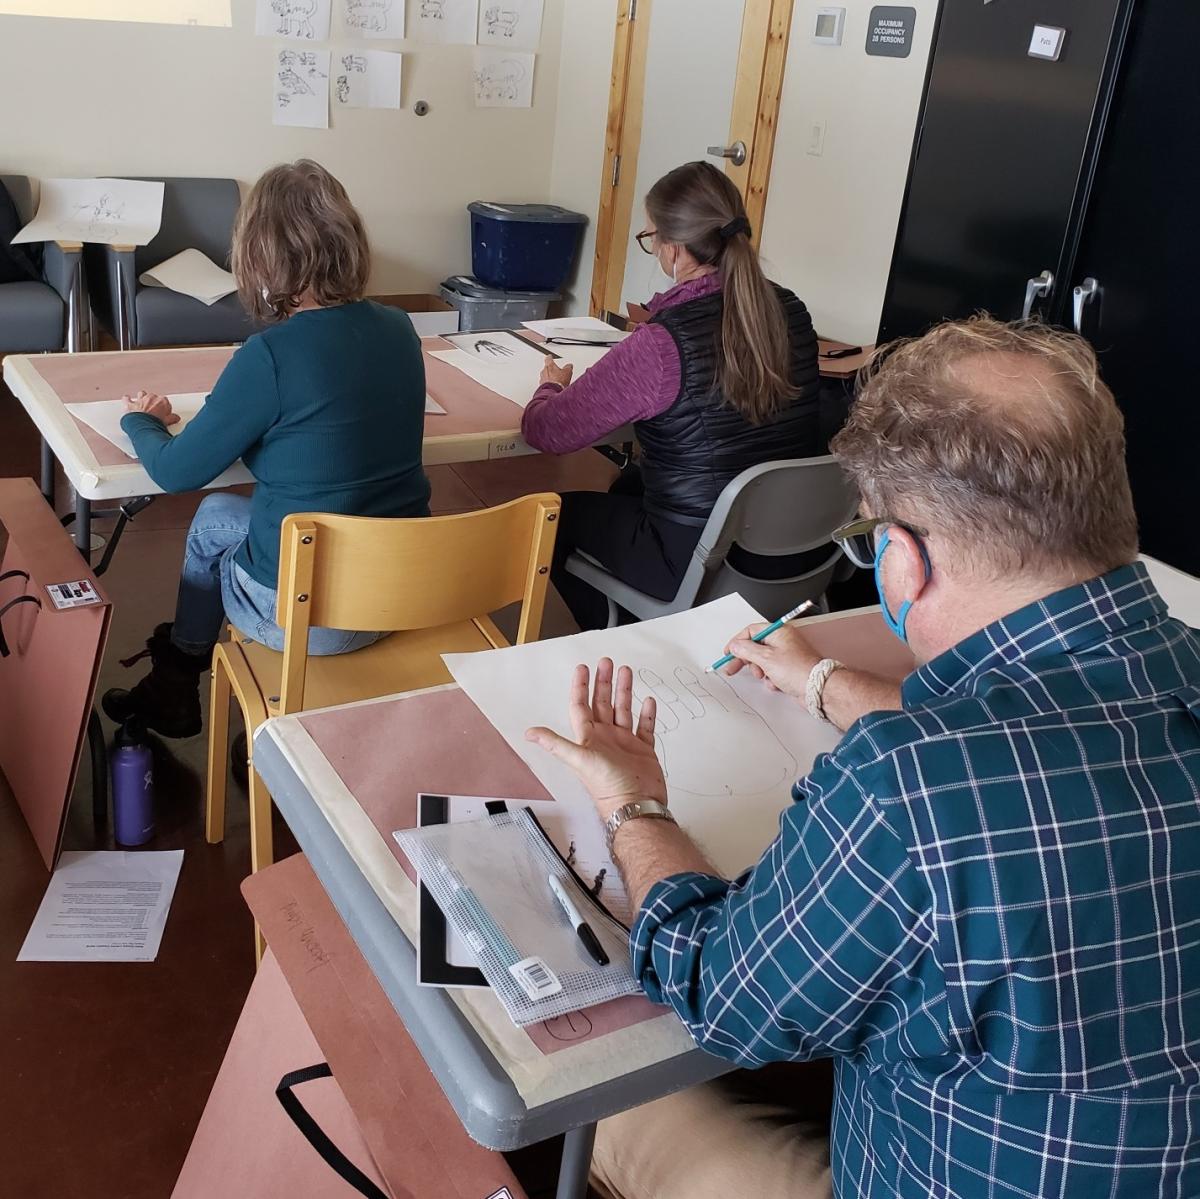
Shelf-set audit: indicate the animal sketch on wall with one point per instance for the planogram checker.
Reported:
(369, 16)
(295, 18)
(501, 22)
(433, 10)
(499, 81)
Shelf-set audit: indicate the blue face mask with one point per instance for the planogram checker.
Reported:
(898, 624)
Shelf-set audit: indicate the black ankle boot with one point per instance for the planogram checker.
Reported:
(167, 700)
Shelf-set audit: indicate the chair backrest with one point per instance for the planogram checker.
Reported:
(20, 189)
(774, 509)
(370, 573)
(197, 214)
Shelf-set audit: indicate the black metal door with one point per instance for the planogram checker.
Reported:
(1138, 270)
(1002, 151)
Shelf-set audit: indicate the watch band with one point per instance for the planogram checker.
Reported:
(631, 811)
(814, 693)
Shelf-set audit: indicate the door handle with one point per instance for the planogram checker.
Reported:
(1081, 297)
(1034, 288)
(735, 153)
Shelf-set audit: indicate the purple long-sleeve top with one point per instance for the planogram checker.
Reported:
(635, 380)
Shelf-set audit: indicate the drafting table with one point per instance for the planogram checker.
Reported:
(344, 777)
(478, 423)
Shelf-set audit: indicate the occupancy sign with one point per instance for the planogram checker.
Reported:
(890, 31)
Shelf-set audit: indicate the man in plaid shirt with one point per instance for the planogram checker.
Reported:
(984, 905)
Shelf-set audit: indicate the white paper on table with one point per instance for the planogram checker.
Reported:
(374, 18)
(565, 326)
(194, 274)
(503, 79)
(730, 748)
(500, 347)
(514, 24)
(445, 21)
(302, 88)
(431, 405)
(366, 79)
(517, 379)
(104, 907)
(307, 20)
(119, 212)
(105, 417)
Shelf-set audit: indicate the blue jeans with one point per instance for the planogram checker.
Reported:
(213, 588)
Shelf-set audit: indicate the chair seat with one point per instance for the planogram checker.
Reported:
(167, 318)
(404, 661)
(32, 318)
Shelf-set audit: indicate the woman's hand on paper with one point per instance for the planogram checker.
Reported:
(555, 372)
(612, 754)
(784, 661)
(152, 405)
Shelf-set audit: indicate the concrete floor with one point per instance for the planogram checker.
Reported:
(106, 1068)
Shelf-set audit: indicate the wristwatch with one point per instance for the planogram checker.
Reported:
(814, 693)
(631, 811)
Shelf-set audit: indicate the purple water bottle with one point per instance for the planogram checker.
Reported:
(132, 787)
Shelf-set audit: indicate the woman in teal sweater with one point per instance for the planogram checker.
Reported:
(326, 407)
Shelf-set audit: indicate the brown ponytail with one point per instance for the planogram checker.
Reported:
(698, 207)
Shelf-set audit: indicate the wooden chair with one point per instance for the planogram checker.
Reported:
(430, 582)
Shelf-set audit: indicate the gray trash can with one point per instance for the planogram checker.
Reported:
(483, 307)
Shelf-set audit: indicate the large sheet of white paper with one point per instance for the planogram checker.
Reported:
(105, 417)
(564, 326)
(302, 88)
(374, 18)
(730, 748)
(194, 274)
(104, 907)
(445, 21)
(517, 379)
(118, 212)
(498, 347)
(503, 78)
(513, 24)
(366, 79)
(306, 20)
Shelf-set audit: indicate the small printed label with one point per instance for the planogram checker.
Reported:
(73, 595)
(535, 978)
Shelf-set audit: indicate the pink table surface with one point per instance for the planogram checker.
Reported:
(81, 378)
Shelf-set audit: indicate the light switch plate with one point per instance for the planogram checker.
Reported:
(816, 139)
(1047, 42)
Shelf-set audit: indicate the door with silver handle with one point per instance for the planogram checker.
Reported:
(1035, 289)
(735, 153)
(1083, 295)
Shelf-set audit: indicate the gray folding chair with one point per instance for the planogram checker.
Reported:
(41, 314)
(198, 214)
(773, 510)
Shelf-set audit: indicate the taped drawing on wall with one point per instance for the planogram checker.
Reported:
(513, 24)
(503, 79)
(446, 21)
(306, 20)
(367, 79)
(374, 18)
(302, 88)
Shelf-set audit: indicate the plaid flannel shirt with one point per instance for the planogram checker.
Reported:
(987, 908)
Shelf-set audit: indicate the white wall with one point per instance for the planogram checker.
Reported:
(830, 223)
(100, 97)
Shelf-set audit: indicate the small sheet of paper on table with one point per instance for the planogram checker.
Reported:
(104, 907)
(730, 748)
(577, 328)
(120, 212)
(194, 274)
(432, 406)
(105, 417)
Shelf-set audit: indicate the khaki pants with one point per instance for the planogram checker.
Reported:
(762, 1133)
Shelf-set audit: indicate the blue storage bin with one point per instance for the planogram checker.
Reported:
(523, 247)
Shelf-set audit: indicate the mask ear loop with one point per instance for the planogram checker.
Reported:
(898, 624)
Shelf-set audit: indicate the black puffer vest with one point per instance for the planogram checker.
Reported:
(691, 451)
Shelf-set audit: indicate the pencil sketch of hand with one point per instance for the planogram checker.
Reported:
(710, 741)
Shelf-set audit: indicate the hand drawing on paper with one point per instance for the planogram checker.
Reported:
(501, 22)
(370, 16)
(499, 82)
(295, 18)
(767, 764)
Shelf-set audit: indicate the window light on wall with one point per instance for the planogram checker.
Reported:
(161, 12)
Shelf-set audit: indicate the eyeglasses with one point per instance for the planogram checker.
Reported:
(645, 240)
(859, 539)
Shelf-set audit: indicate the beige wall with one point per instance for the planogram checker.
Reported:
(99, 97)
(830, 223)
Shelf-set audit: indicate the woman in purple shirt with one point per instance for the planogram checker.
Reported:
(723, 377)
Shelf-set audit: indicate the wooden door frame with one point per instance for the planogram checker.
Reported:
(758, 87)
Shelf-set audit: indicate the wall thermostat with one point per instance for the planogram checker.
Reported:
(827, 30)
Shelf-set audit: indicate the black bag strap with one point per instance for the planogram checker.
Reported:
(15, 574)
(12, 603)
(315, 1135)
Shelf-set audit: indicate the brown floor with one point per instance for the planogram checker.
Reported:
(104, 1069)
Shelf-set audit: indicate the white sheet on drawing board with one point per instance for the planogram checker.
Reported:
(730, 748)
(518, 380)
(105, 417)
(100, 211)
